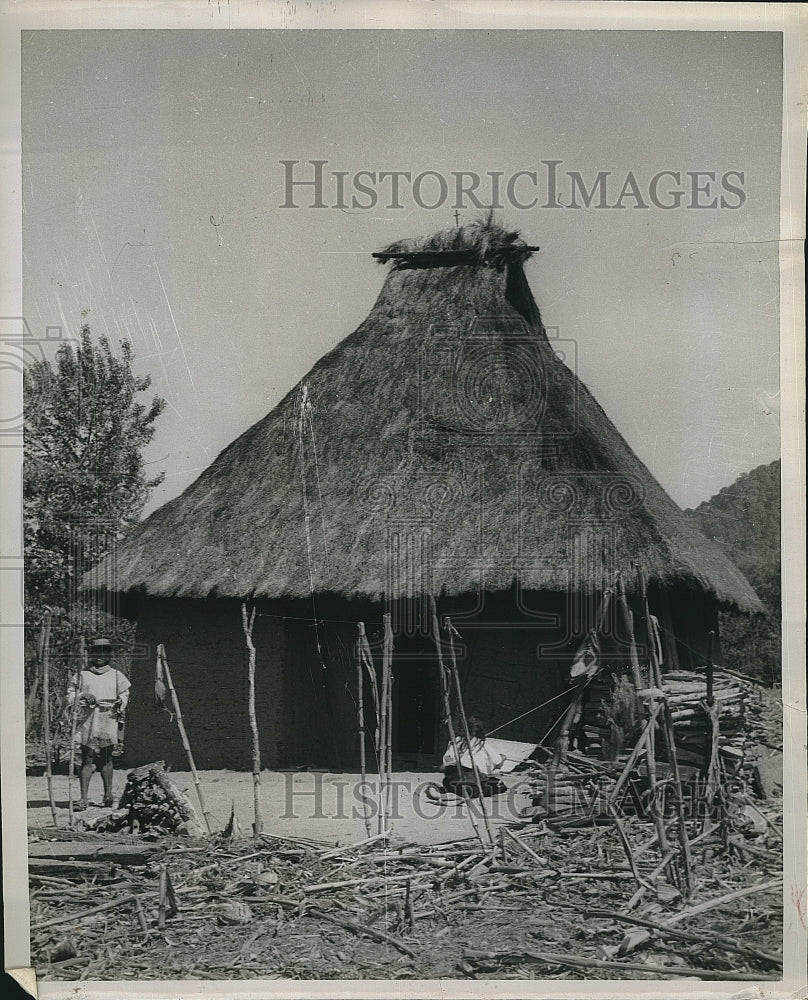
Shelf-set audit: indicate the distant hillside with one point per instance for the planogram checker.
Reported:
(744, 519)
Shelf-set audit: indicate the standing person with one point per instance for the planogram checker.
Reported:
(103, 693)
(463, 782)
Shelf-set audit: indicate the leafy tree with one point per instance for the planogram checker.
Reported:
(84, 480)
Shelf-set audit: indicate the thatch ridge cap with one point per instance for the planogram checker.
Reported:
(482, 242)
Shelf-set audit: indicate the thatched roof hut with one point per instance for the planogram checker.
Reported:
(444, 447)
(448, 395)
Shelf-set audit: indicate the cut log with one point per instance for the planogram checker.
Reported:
(117, 854)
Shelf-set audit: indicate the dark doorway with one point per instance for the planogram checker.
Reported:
(417, 718)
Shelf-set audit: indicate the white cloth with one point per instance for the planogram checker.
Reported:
(483, 758)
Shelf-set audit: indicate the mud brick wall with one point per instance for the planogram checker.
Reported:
(301, 708)
(510, 660)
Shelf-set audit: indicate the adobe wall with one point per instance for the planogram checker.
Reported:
(509, 662)
(298, 705)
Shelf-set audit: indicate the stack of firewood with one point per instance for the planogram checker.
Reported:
(686, 691)
(606, 733)
(151, 801)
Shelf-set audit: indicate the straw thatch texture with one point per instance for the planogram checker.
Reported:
(443, 446)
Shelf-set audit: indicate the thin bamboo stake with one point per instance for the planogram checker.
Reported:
(730, 897)
(653, 799)
(650, 757)
(46, 721)
(574, 961)
(713, 777)
(570, 715)
(74, 719)
(635, 753)
(367, 659)
(670, 743)
(30, 701)
(247, 624)
(628, 622)
(65, 918)
(346, 849)
(377, 703)
(447, 713)
(360, 712)
(523, 846)
(388, 655)
(383, 740)
(464, 722)
(627, 848)
(163, 661)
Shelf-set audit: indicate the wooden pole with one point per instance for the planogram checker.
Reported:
(670, 742)
(74, 719)
(650, 756)
(710, 668)
(247, 624)
(30, 701)
(360, 713)
(46, 721)
(447, 712)
(163, 659)
(653, 799)
(635, 753)
(628, 623)
(464, 722)
(712, 783)
(562, 743)
(377, 704)
(382, 754)
(388, 655)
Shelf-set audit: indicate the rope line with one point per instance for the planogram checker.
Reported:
(530, 711)
(303, 618)
(561, 716)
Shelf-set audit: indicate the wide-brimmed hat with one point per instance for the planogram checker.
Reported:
(101, 646)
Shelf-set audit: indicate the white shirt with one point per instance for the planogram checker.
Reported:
(480, 752)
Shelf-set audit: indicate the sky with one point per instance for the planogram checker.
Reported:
(152, 186)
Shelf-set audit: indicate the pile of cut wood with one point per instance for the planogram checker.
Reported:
(151, 801)
(686, 692)
(737, 699)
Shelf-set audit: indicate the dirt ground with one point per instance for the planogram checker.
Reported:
(553, 901)
(549, 902)
(314, 805)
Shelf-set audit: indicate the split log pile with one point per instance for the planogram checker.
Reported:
(547, 902)
(739, 702)
(686, 691)
(151, 801)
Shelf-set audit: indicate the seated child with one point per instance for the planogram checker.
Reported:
(462, 782)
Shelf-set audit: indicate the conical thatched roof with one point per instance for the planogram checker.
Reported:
(443, 445)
